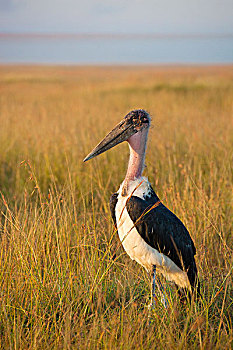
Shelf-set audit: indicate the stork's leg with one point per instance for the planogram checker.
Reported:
(153, 282)
(156, 281)
(162, 293)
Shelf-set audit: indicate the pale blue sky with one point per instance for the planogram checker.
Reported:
(117, 16)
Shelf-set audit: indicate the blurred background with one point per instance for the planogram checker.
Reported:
(116, 32)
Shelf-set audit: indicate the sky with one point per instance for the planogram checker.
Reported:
(117, 16)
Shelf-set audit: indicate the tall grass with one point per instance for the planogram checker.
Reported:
(66, 282)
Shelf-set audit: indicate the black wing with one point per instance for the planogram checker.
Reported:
(162, 230)
(113, 202)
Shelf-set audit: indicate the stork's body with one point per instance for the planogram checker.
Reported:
(147, 240)
(150, 233)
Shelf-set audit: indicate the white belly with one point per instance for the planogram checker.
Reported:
(140, 251)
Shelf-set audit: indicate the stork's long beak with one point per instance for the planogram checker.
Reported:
(120, 133)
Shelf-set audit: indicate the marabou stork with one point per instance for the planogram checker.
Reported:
(150, 233)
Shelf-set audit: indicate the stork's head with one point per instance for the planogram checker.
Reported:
(134, 122)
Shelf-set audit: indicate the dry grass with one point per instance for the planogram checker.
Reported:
(60, 287)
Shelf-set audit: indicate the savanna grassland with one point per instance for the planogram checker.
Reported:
(66, 282)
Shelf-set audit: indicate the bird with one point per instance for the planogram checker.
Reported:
(150, 233)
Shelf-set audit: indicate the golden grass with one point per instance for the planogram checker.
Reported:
(60, 286)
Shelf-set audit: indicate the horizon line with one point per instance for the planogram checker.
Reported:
(113, 35)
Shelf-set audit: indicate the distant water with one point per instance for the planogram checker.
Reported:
(58, 50)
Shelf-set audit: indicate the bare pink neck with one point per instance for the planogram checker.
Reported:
(137, 146)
